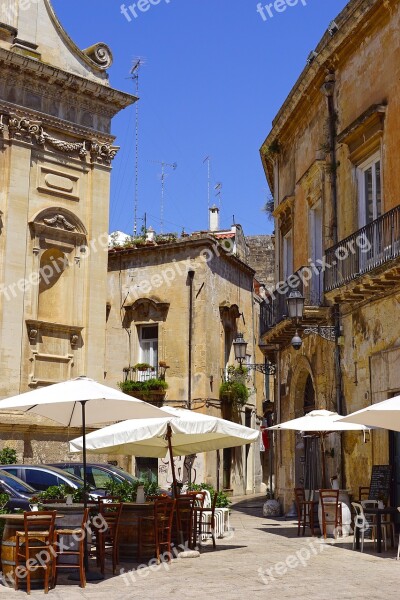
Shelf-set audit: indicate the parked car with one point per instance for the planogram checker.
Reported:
(41, 477)
(19, 492)
(98, 474)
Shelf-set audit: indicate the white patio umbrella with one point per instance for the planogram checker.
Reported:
(384, 414)
(80, 402)
(321, 423)
(183, 432)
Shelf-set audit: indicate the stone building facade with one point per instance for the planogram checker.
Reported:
(56, 151)
(332, 161)
(261, 258)
(180, 304)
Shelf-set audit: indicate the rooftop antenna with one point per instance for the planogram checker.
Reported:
(208, 161)
(218, 192)
(163, 175)
(134, 75)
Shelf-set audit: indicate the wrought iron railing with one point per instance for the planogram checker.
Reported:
(141, 375)
(363, 251)
(308, 280)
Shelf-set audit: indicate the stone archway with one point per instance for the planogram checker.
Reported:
(306, 450)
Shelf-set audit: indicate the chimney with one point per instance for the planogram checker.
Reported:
(214, 218)
(150, 235)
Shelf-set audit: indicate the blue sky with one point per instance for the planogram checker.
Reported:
(215, 75)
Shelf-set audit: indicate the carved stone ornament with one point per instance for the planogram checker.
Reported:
(100, 54)
(74, 339)
(103, 152)
(60, 222)
(23, 127)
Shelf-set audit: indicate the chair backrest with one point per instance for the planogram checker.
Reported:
(164, 510)
(111, 513)
(199, 498)
(363, 493)
(40, 521)
(329, 496)
(360, 519)
(207, 499)
(85, 518)
(369, 503)
(300, 495)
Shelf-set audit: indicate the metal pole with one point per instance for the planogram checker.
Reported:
(171, 457)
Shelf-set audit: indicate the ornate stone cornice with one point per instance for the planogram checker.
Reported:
(39, 70)
(32, 131)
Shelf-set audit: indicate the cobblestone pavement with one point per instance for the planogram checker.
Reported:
(262, 558)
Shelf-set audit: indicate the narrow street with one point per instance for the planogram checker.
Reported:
(260, 549)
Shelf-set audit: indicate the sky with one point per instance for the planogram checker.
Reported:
(215, 74)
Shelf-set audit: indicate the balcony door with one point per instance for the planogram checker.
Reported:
(369, 178)
(316, 252)
(148, 348)
(287, 255)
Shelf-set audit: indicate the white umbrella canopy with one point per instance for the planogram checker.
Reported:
(320, 421)
(191, 432)
(62, 402)
(384, 414)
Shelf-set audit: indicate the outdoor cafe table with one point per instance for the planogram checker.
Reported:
(377, 512)
(13, 522)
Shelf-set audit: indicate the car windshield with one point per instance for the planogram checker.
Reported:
(16, 484)
(124, 474)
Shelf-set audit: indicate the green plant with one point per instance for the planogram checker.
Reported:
(235, 392)
(54, 492)
(150, 385)
(8, 456)
(222, 498)
(127, 490)
(143, 367)
(4, 498)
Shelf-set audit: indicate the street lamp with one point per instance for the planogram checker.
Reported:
(295, 304)
(240, 346)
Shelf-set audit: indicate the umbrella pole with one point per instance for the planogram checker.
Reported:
(171, 457)
(90, 576)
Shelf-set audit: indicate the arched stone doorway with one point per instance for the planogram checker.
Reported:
(307, 449)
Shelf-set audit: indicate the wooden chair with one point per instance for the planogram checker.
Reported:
(363, 493)
(75, 548)
(35, 544)
(204, 519)
(305, 511)
(330, 499)
(184, 519)
(155, 531)
(199, 497)
(107, 541)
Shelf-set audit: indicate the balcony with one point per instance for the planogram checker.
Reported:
(366, 262)
(275, 325)
(146, 383)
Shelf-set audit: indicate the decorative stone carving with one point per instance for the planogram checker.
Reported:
(33, 334)
(100, 54)
(103, 152)
(60, 222)
(74, 339)
(23, 127)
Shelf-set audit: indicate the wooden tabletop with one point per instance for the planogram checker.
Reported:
(20, 517)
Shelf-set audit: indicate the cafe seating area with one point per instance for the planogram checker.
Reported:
(39, 546)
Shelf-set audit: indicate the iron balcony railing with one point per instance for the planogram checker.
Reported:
(308, 280)
(141, 375)
(363, 251)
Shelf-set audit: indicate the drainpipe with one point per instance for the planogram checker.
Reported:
(190, 277)
(328, 90)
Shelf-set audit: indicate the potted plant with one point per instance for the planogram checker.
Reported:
(143, 367)
(153, 390)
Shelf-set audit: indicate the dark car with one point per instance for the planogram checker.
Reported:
(98, 474)
(41, 477)
(19, 492)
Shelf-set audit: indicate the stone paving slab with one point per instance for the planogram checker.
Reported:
(261, 558)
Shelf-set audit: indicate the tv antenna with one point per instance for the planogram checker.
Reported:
(208, 161)
(134, 76)
(164, 165)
